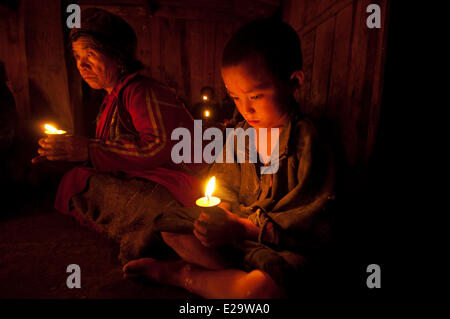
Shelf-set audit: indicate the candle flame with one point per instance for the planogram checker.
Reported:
(205, 98)
(210, 187)
(207, 113)
(49, 129)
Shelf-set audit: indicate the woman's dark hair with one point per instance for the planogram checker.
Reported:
(111, 36)
(274, 41)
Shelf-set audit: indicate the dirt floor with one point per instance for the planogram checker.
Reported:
(37, 244)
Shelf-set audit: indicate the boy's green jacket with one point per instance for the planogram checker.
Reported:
(290, 203)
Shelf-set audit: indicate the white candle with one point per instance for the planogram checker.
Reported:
(209, 200)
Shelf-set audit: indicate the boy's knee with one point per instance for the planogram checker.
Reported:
(260, 285)
(170, 238)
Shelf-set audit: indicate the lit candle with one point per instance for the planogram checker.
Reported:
(206, 113)
(209, 200)
(51, 130)
(205, 98)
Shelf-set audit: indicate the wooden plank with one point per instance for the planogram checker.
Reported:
(251, 9)
(217, 11)
(219, 45)
(111, 2)
(322, 67)
(303, 95)
(155, 64)
(223, 34)
(49, 91)
(355, 69)
(120, 10)
(293, 12)
(195, 38)
(379, 62)
(185, 62)
(80, 124)
(171, 69)
(205, 10)
(144, 49)
(353, 136)
(324, 16)
(337, 107)
(340, 64)
(209, 53)
(370, 100)
(195, 14)
(322, 5)
(13, 55)
(314, 8)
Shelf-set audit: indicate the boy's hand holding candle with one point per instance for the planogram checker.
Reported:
(216, 225)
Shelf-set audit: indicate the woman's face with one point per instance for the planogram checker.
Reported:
(98, 70)
(260, 100)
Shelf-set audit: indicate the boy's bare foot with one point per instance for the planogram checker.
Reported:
(166, 272)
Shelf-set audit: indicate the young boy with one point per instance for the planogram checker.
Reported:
(268, 225)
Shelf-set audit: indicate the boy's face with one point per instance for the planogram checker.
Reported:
(258, 97)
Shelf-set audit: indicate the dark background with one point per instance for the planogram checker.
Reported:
(37, 243)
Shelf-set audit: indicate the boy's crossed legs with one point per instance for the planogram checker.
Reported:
(203, 271)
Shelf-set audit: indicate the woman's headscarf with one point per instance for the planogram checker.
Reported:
(112, 35)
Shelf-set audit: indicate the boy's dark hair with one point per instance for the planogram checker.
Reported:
(274, 41)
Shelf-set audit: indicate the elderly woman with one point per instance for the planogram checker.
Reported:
(126, 173)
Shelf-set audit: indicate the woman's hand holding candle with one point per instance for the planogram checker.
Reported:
(64, 148)
(58, 146)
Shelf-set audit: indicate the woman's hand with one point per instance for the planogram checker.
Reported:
(63, 148)
(218, 226)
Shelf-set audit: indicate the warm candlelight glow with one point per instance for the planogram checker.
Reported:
(207, 113)
(209, 200)
(49, 129)
(205, 98)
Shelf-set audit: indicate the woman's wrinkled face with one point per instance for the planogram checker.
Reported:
(98, 70)
(258, 97)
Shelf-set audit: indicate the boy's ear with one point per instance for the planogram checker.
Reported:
(297, 77)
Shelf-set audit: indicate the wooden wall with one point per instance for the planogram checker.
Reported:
(47, 72)
(180, 42)
(343, 64)
(181, 52)
(181, 45)
(12, 53)
(32, 48)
